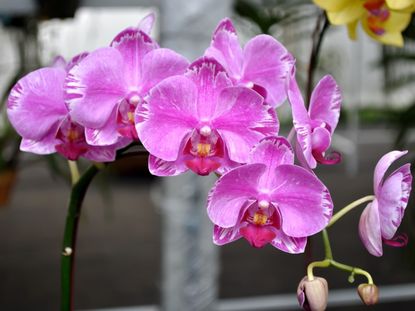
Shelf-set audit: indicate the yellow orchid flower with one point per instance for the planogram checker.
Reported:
(379, 21)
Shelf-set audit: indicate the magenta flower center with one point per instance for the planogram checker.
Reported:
(72, 138)
(204, 151)
(125, 116)
(260, 224)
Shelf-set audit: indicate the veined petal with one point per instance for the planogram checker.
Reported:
(382, 166)
(271, 151)
(225, 48)
(304, 202)
(159, 167)
(268, 72)
(232, 192)
(167, 117)
(101, 153)
(369, 229)
(222, 236)
(392, 200)
(325, 102)
(240, 116)
(133, 44)
(106, 135)
(95, 86)
(36, 102)
(353, 11)
(332, 5)
(289, 244)
(147, 23)
(76, 60)
(160, 64)
(210, 79)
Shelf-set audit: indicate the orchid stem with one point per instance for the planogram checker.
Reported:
(79, 188)
(327, 247)
(348, 208)
(330, 262)
(318, 35)
(73, 168)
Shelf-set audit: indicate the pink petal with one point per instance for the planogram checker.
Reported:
(271, 151)
(239, 119)
(147, 23)
(160, 64)
(392, 199)
(268, 64)
(369, 229)
(46, 145)
(325, 102)
(223, 236)
(225, 48)
(167, 117)
(289, 244)
(101, 153)
(231, 194)
(95, 86)
(301, 120)
(36, 103)
(210, 79)
(304, 202)
(383, 165)
(106, 135)
(133, 44)
(159, 167)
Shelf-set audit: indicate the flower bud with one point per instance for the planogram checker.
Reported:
(312, 295)
(369, 293)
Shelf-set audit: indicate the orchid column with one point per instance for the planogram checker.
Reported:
(190, 259)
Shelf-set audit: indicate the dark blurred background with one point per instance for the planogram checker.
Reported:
(146, 241)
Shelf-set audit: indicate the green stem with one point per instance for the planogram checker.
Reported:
(69, 241)
(348, 208)
(327, 247)
(73, 168)
(330, 262)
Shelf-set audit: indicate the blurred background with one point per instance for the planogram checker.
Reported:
(145, 242)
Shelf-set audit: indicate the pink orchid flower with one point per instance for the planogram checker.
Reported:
(315, 128)
(269, 200)
(263, 64)
(37, 110)
(381, 218)
(200, 121)
(104, 90)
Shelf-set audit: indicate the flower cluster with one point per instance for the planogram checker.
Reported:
(217, 114)
(382, 20)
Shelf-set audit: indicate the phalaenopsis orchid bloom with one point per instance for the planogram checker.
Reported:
(37, 110)
(315, 128)
(269, 200)
(381, 218)
(253, 65)
(200, 121)
(105, 89)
